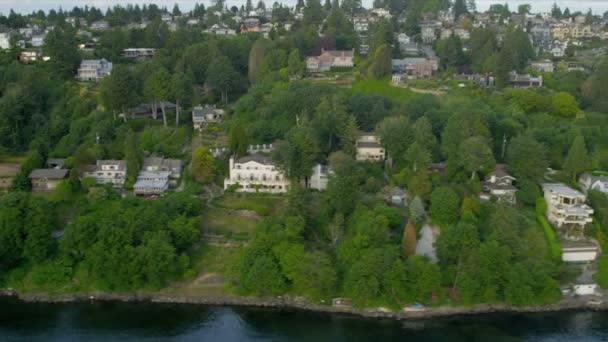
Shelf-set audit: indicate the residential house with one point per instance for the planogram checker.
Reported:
(8, 171)
(138, 53)
(417, 67)
(151, 183)
(94, 70)
(100, 25)
(397, 196)
(566, 206)
(38, 40)
(250, 25)
(45, 180)
(256, 173)
(221, 30)
(30, 55)
(381, 13)
(558, 49)
(146, 110)
(330, 59)
(525, 81)
(428, 31)
(541, 36)
(207, 114)
(166, 17)
(319, 178)
(55, 163)
(499, 185)
(108, 172)
(160, 164)
(369, 148)
(361, 23)
(5, 40)
(590, 182)
(543, 65)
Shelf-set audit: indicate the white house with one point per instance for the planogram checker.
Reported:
(108, 172)
(543, 65)
(499, 185)
(207, 114)
(94, 70)
(589, 182)
(319, 178)
(369, 148)
(100, 25)
(5, 40)
(566, 206)
(256, 173)
(38, 41)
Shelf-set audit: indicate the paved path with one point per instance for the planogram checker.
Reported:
(426, 242)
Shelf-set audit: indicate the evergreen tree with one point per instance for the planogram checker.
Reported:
(408, 243)
(577, 160)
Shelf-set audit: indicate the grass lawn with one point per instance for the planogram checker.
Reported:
(382, 88)
(226, 223)
(262, 204)
(12, 159)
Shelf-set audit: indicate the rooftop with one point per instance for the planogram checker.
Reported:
(255, 157)
(49, 173)
(561, 189)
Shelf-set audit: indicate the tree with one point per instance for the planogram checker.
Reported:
(295, 66)
(256, 58)
(297, 154)
(132, 157)
(418, 157)
(564, 104)
(444, 206)
(61, 46)
(475, 155)
(408, 243)
(343, 187)
(577, 160)
(423, 134)
(203, 165)
(313, 13)
(118, 91)
(504, 66)
(158, 87)
(238, 140)
(221, 76)
(416, 211)
(181, 88)
(524, 9)
(460, 8)
(396, 135)
(450, 52)
(526, 158)
(381, 65)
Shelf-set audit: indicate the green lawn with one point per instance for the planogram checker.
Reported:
(228, 224)
(382, 88)
(262, 204)
(12, 159)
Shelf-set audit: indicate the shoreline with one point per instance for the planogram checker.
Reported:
(288, 303)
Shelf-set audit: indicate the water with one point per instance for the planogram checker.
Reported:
(27, 6)
(155, 322)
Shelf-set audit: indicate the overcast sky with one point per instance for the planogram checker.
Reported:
(598, 6)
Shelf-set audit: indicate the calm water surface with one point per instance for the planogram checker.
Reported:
(160, 322)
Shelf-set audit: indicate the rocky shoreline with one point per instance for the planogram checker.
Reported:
(289, 303)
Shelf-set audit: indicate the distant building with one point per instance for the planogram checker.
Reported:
(160, 164)
(46, 180)
(590, 182)
(38, 41)
(256, 173)
(319, 178)
(369, 148)
(525, 81)
(418, 67)
(5, 40)
(579, 251)
(566, 206)
(100, 25)
(30, 56)
(397, 196)
(499, 185)
(330, 59)
(94, 70)
(8, 171)
(543, 65)
(250, 25)
(108, 172)
(221, 30)
(139, 53)
(428, 31)
(151, 183)
(205, 115)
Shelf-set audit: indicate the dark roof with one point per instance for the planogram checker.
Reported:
(258, 158)
(500, 171)
(49, 173)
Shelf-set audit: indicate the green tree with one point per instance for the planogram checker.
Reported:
(297, 154)
(381, 65)
(295, 66)
(460, 8)
(526, 158)
(132, 157)
(61, 46)
(256, 58)
(203, 165)
(444, 206)
(181, 88)
(416, 211)
(577, 160)
(408, 243)
(564, 104)
(221, 76)
(475, 155)
(158, 88)
(118, 92)
(238, 140)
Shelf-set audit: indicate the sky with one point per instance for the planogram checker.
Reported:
(27, 6)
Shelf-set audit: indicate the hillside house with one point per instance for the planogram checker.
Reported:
(108, 172)
(525, 81)
(499, 185)
(319, 178)
(94, 70)
(46, 180)
(330, 59)
(543, 65)
(566, 206)
(205, 115)
(417, 67)
(589, 182)
(369, 148)
(138, 53)
(256, 173)
(151, 183)
(160, 164)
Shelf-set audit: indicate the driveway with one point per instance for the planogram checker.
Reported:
(426, 242)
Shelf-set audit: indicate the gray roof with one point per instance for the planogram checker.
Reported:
(49, 173)
(258, 158)
(561, 189)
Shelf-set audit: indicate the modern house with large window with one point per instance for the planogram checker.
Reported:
(566, 206)
(108, 172)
